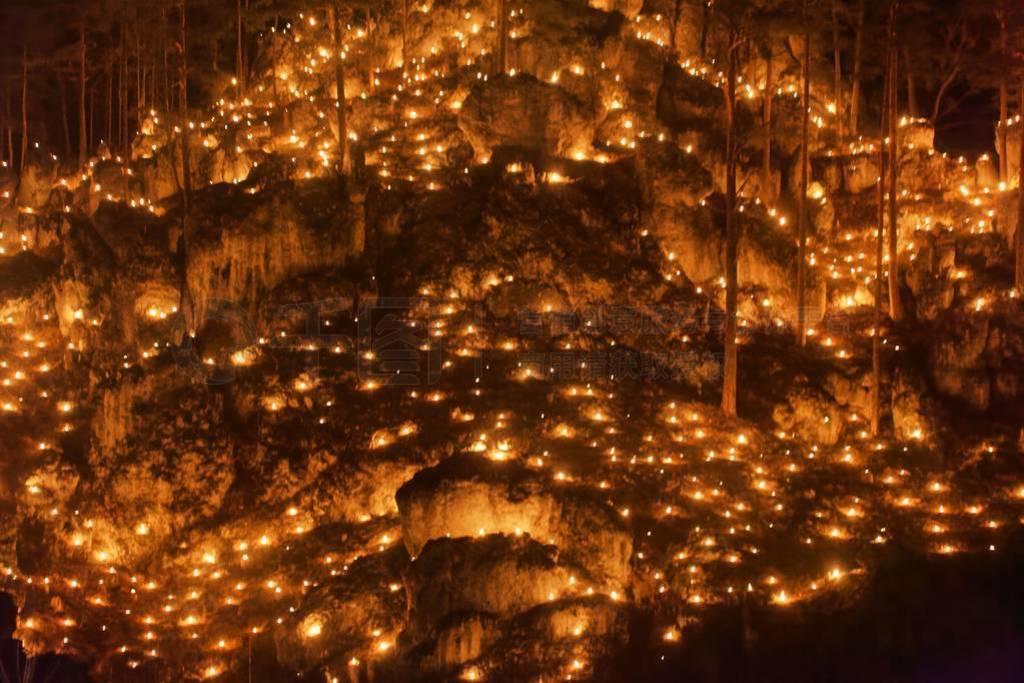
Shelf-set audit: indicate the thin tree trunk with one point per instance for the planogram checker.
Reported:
(801, 266)
(858, 46)
(24, 109)
(125, 141)
(876, 341)
(502, 26)
(110, 106)
(729, 365)
(677, 9)
(704, 24)
(92, 118)
(167, 86)
(911, 86)
(895, 303)
(344, 156)
(1019, 269)
(186, 170)
(942, 93)
(838, 67)
(405, 32)
(240, 55)
(3, 133)
(140, 79)
(10, 131)
(1003, 102)
(83, 149)
(273, 61)
(64, 118)
(767, 183)
(186, 165)
(371, 36)
(10, 141)
(122, 97)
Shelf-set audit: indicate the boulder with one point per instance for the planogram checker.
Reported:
(495, 575)
(912, 414)
(336, 619)
(812, 415)
(956, 362)
(468, 495)
(527, 113)
(671, 176)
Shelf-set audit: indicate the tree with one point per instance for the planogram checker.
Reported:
(502, 28)
(895, 303)
(405, 33)
(858, 46)
(876, 334)
(801, 259)
(239, 50)
(186, 160)
(83, 139)
(1003, 97)
(344, 156)
(730, 361)
(838, 69)
(1019, 232)
(767, 182)
(24, 109)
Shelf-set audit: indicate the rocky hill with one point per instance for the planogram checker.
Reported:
(455, 414)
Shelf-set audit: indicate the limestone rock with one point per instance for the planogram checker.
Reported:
(338, 617)
(496, 575)
(912, 413)
(527, 113)
(812, 415)
(467, 494)
(670, 176)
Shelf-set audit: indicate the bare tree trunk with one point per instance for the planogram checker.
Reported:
(911, 86)
(344, 156)
(167, 71)
(502, 25)
(704, 25)
(371, 37)
(1003, 102)
(240, 58)
(83, 149)
(801, 265)
(273, 62)
(405, 32)
(24, 109)
(186, 168)
(1019, 241)
(838, 67)
(3, 130)
(895, 303)
(110, 106)
(10, 131)
(140, 79)
(122, 93)
(942, 93)
(729, 365)
(64, 118)
(858, 47)
(767, 183)
(876, 341)
(677, 9)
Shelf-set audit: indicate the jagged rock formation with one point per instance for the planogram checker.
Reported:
(453, 415)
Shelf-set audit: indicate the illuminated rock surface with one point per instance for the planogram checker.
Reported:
(237, 481)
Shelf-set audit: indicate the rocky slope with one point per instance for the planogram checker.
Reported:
(456, 416)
